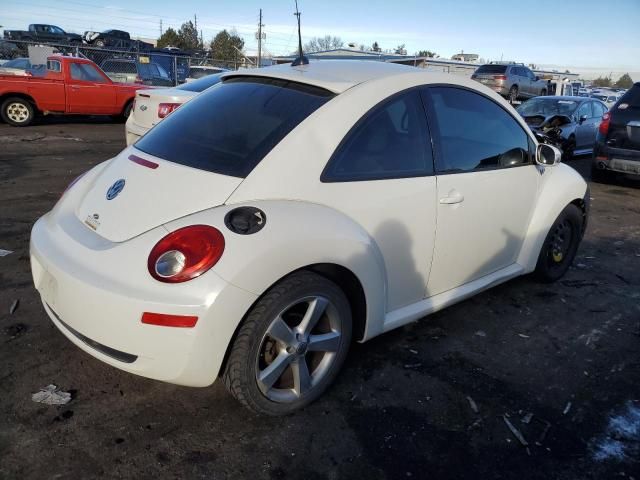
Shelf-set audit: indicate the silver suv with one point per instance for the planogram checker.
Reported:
(513, 80)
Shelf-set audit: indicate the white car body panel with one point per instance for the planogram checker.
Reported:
(411, 254)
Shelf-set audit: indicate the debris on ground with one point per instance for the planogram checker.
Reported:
(14, 306)
(481, 333)
(567, 408)
(50, 395)
(515, 431)
(413, 365)
(473, 405)
(527, 418)
(523, 335)
(4, 253)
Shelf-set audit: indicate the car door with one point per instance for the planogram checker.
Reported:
(523, 81)
(382, 176)
(587, 126)
(88, 91)
(487, 185)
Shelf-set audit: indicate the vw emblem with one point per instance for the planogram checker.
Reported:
(143, 107)
(115, 189)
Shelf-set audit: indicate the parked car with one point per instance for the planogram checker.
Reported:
(44, 33)
(617, 148)
(70, 86)
(151, 106)
(573, 121)
(21, 66)
(513, 80)
(116, 39)
(607, 98)
(199, 71)
(123, 70)
(267, 223)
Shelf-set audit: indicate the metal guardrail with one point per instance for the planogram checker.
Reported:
(154, 66)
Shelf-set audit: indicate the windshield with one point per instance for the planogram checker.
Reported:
(201, 84)
(491, 69)
(547, 106)
(232, 126)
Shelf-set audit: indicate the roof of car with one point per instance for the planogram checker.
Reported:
(334, 75)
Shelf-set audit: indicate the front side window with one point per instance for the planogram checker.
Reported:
(473, 132)
(391, 141)
(231, 127)
(584, 110)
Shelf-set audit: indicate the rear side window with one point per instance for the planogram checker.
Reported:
(632, 97)
(231, 127)
(54, 66)
(391, 141)
(472, 132)
(492, 69)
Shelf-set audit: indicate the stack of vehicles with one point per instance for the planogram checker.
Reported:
(69, 86)
(117, 39)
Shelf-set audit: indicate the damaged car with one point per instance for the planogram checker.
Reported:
(570, 123)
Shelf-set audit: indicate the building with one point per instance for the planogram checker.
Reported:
(466, 57)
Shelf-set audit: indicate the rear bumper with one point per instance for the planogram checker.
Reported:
(133, 131)
(613, 159)
(100, 311)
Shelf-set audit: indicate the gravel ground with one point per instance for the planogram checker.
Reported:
(426, 401)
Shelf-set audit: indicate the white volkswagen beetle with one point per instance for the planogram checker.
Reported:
(287, 211)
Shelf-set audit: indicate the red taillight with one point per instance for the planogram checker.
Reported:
(164, 320)
(500, 77)
(186, 253)
(165, 109)
(604, 124)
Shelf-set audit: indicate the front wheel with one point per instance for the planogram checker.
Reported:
(569, 148)
(513, 94)
(17, 111)
(561, 245)
(290, 346)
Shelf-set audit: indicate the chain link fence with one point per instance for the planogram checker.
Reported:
(158, 67)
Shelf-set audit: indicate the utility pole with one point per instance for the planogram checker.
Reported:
(259, 35)
(195, 22)
(160, 27)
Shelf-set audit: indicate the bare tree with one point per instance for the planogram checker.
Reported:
(319, 44)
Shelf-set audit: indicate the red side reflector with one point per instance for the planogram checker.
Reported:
(164, 320)
(143, 162)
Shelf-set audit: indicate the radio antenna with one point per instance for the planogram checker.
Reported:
(301, 60)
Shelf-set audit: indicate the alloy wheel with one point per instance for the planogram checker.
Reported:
(298, 349)
(17, 112)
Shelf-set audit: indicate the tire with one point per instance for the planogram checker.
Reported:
(569, 148)
(272, 350)
(127, 110)
(513, 94)
(99, 43)
(560, 247)
(17, 112)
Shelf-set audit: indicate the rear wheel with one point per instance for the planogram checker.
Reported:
(291, 345)
(99, 43)
(17, 111)
(513, 94)
(560, 246)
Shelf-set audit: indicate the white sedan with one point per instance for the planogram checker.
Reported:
(152, 105)
(287, 211)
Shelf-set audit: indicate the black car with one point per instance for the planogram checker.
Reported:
(568, 122)
(45, 33)
(617, 146)
(116, 39)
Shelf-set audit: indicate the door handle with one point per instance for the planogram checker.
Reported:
(74, 87)
(452, 198)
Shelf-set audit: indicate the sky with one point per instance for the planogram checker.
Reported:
(591, 37)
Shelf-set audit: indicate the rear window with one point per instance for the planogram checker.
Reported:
(231, 127)
(492, 69)
(632, 97)
(201, 84)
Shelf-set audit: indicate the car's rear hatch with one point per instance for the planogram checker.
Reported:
(624, 124)
(145, 112)
(151, 192)
(490, 74)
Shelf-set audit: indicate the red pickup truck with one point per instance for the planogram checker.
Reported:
(69, 86)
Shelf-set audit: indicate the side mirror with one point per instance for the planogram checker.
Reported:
(548, 155)
(583, 118)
